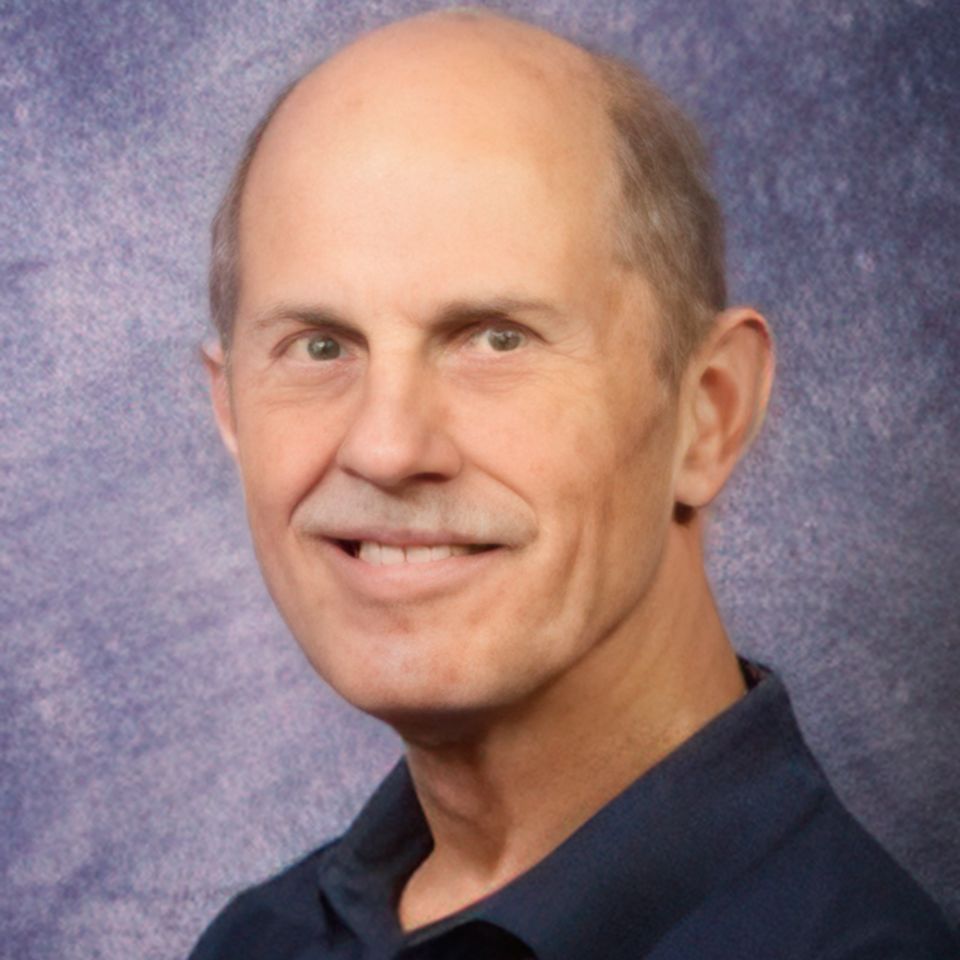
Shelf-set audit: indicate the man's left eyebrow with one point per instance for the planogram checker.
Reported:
(493, 309)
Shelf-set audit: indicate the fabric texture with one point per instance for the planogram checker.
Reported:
(733, 846)
(163, 744)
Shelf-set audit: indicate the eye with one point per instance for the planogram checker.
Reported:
(500, 339)
(320, 346)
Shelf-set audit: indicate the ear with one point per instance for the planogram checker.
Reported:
(215, 362)
(724, 397)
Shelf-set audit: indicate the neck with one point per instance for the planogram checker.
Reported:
(500, 798)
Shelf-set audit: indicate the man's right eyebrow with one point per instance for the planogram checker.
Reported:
(311, 316)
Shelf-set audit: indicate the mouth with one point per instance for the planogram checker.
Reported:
(379, 554)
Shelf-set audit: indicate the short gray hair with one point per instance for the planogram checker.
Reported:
(669, 225)
(224, 279)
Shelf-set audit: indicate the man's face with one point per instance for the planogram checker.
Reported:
(456, 454)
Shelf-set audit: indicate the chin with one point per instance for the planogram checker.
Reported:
(420, 708)
(416, 684)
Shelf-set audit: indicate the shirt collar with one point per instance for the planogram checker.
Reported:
(696, 820)
(364, 874)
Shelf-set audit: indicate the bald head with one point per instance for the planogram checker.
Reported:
(437, 92)
(440, 81)
(466, 58)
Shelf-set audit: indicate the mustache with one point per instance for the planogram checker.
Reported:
(340, 507)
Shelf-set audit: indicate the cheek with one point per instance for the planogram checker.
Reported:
(535, 436)
(602, 470)
(283, 451)
(578, 449)
(597, 477)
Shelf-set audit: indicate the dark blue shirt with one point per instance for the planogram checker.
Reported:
(734, 846)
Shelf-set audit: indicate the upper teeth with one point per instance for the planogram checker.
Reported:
(382, 553)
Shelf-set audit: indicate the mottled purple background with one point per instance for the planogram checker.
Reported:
(164, 742)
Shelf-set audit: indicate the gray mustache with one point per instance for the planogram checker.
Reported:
(337, 508)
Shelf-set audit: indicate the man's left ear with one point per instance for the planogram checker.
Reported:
(723, 399)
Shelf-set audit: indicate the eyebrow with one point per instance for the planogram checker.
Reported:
(493, 308)
(451, 315)
(313, 316)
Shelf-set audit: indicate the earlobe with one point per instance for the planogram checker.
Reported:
(724, 399)
(215, 362)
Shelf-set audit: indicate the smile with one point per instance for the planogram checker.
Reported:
(405, 570)
(389, 554)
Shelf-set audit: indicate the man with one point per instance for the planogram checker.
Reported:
(478, 375)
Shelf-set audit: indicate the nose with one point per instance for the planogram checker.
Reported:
(397, 433)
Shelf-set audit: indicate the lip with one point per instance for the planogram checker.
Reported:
(399, 537)
(393, 583)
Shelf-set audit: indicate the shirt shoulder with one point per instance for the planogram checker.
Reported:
(828, 892)
(272, 920)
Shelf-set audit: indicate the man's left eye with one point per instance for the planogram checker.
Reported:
(322, 347)
(501, 339)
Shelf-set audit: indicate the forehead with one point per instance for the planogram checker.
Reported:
(432, 138)
(480, 78)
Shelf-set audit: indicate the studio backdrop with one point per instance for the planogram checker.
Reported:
(164, 742)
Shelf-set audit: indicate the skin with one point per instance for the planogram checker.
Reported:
(406, 216)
